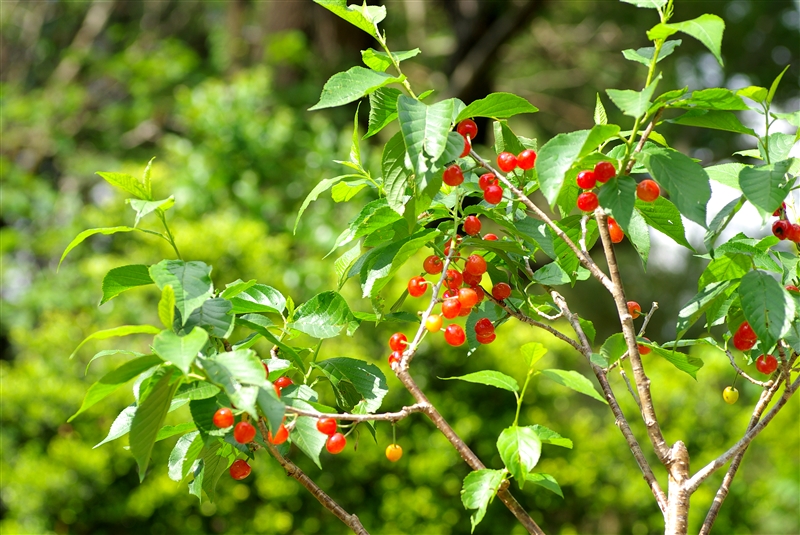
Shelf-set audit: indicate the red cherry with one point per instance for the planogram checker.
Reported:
(470, 279)
(433, 265)
(244, 432)
(526, 159)
(486, 338)
(493, 194)
(780, 210)
(747, 332)
(587, 201)
(475, 265)
(603, 171)
(586, 180)
(451, 307)
(223, 418)
(648, 190)
(467, 147)
(454, 335)
(766, 364)
(643, 350)
(781, 228)
(486, 180)
(794, 233)
(450, 294)
(336, 443)
(453, 278)
(239, 469)
(453, 176)
(480, 292)
(507, 162)
(634, 309)
(484, 326)
(468, 297)
(744, 338)
(501, 291)
(280, 437)
(326, 426)
(277, 390)
(398, 342)
(396, 356)
(266, 368)
(472, 225)
(283, 381)
(417, 286)
(793, 288)
(490, 237)
(465, 311)
(615, 231)
(467, 127)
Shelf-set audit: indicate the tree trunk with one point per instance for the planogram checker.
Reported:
(677, 517)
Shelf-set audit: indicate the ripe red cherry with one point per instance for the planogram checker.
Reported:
(283, 381)
(794, 233)
(634, 309)
(453, 279)
(326, 426)
(467, 127)
(484, 326)
(396, 356)
(451, 307)
(472, 225)
(486, 338)
(615, 231)
(766, 364)
(244, 432)
(468, 297)
(467, 147)
(223, 418)
(603, 171)
(470, 279)
(465, 311)
(280, 437)
(507, 162)
(526, 159)
(453, 176)
(780, 210)
(648, 190)
(239, 469)
(793, 288)
(587, 201)
(781, 228)
(480, 292)
(586, 180)
(398, 342)
(490, 237)
(486, 180)
(744, 338)
(501, 291)
(454, 335)
(643, 350)
(417, 286)
(475, 265)
(493, 194)
(433, 265)
(336, 443)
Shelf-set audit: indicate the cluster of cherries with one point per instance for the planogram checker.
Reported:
(744, 339)
(783, 229)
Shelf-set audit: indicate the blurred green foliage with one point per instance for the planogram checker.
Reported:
(218, 92)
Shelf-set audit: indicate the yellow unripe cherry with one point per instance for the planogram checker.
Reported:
(433, 323)
(730, 395)
(394, 452)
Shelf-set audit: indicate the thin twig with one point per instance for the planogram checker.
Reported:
(643, 139)
(744, 374)
(630, 388)
(530, 321)
(647, 318)
(385, 417)
(294, 471)
(584, 220)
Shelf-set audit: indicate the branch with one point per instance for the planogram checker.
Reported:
(642, 140)
(294, 471)
(741, 372)
(530, 321)
(386, 416)
(646, 321)
(748, 437)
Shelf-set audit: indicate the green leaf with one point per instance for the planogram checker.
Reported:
(600, 116)
(217, 456)
(652, 4)
(214, 316)
(197, 390)
(233, 369)
(363, 17)
(367, 379)
(548, 436)
(123, 330)
(169, 431)
(706, 28)
(617, 197)
(91, 232)
(180, 350)
(766, 186)
(260, 324)
(120, 426)
(380, 61)
(488, 378)
(686, 182)
(614, 347)
(714, 119)
(726, 173)
(271, 407)
(349, 86)
(682, 361)
(322, 316)
(520, 449)
(767, 306)
(375, 215)
(127, 183)
(124, 278)
(645, 55)
(479, 489)
(497, 106)
(115, 379)
(183, 455)
(395, 174)
(386, 261)
(166, 306)
(148, 420)
(774, 86)
(236, 287)
(721, 221)
(191, 282)
(716, 98)
(505, 140)
(575, 381)
(753, 92)
(320, 188)
(792, 118)
(532, 352)
(424, 129)
(258, 298)
(547, 481)
(343, 264)
(639, 237)
(382, 109)
(307, 437)
(551, 275)
(698, 305)
(588, 329)
(633, 103)
(107, 352)
(142, 208)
